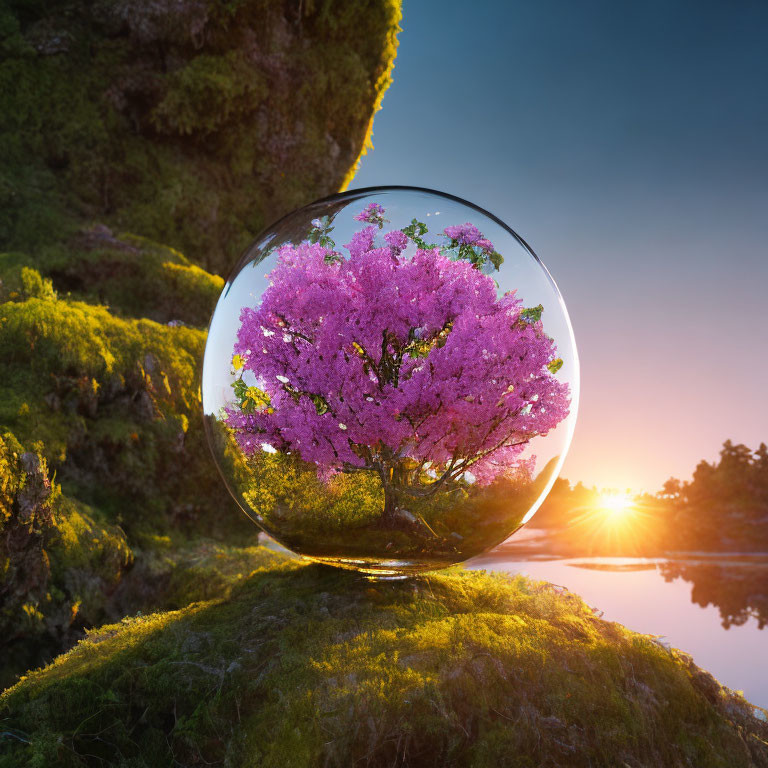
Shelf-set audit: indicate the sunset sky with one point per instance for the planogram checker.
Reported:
(628, 144)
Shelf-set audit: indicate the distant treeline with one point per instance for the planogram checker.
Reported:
(723, 507)
(726, 502)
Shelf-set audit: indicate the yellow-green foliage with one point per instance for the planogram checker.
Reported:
(304, 666)
(58, 337)
(131, 275)
(60, 360)
(19, 282)
(288, 494)
(34, 286)
(9, 476)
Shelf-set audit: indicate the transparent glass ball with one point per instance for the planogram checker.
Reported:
(390, 381)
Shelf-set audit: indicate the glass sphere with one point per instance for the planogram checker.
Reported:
(390, 381)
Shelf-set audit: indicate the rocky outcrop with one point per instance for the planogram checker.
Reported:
(143, 144)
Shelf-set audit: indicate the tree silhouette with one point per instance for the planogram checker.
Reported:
(725, 505)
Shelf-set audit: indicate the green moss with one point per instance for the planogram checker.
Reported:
(303, 666)
(80, 369)
(131, 275)
(208, 93)
(80, 543)
(193, 123)
(56, 337)
(58, 561)
(212, 570)
(111, 404)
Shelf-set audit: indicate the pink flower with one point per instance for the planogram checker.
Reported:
(378, 359)
(373, 213)
(397, 241)
(485, 245)
(467, 234)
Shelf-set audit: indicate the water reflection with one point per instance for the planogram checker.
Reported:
(738, 588)
(714, 607)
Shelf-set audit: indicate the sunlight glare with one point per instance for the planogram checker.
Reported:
(616, 504)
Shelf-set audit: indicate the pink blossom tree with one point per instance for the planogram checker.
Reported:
(410, 368)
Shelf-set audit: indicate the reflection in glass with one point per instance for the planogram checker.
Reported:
(390, 381)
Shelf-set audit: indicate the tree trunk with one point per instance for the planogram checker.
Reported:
(391, 516)
(396, 516)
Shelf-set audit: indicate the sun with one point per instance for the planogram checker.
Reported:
(616, 505)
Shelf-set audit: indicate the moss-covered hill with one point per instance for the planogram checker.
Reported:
(301, 665)
(124, 125)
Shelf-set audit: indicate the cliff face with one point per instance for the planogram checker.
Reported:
(124, 125)
(303, 666)
(191, 122)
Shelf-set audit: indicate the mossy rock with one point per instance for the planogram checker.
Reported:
(107, 401)
(300, 665)
(134, 277)
(124, 125)
(194, 123)
(59, 562)
(113, 403)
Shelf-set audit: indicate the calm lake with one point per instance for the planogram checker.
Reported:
(634, 592)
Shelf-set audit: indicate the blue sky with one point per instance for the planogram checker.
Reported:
(628, 144)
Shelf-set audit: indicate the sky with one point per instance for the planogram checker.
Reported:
(627, 143)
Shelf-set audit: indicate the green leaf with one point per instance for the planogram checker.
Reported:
(414, 231)
(532, 314)
(251, 399)
(555, 365)
(321, 234)
(496, 259)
